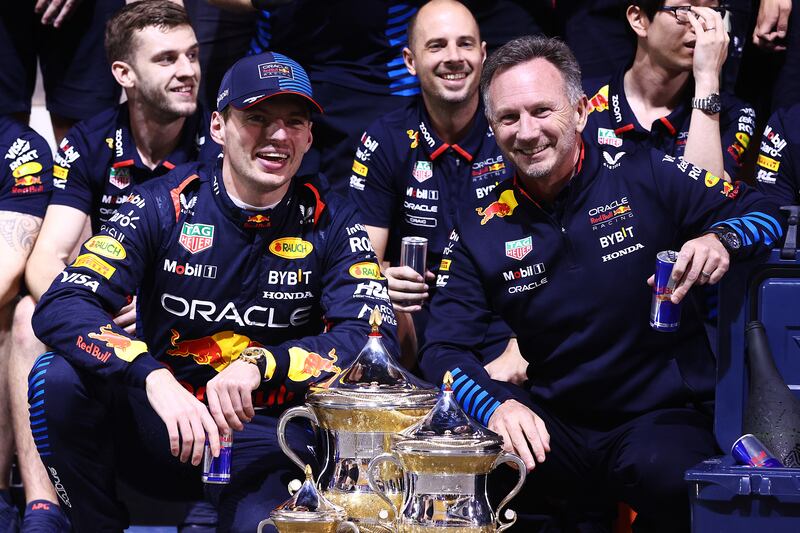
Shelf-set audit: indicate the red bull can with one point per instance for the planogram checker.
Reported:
(664, 315)
(218, 469)
(414, 253)
(748, 450)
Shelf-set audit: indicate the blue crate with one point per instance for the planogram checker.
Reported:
(727, 498)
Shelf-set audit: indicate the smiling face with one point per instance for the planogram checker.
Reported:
(446, 53)
(263, 146)
(166, 70)
(535, 124)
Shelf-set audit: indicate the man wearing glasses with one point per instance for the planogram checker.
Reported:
(669, 97)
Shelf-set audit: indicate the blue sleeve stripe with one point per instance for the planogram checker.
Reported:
(37, 375)
(396, 62)
(38, 384)
(462, 390)
(37, 404)
(37, 422)
(458, 381)
(485, 419)
(44, 454)
(38, 393)
(403, 81)
(399, 7)
(456, 371)
(44, 445)
(38, 430)
(469, 396)
(396, 29)
(37, 413)
(406, 92)
(401, 18)
(478, 399)
(398, 72)
(397, 42)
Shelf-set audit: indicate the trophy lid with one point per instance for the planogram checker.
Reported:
(448, 429)
(374, 377)
(308, 505)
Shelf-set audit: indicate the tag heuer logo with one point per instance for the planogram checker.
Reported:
(423, 170)
(196, 237)
(519, 249)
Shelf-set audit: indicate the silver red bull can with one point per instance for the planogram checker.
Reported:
(414, 253)
(664, 315)
(218, 469)
(748, 450)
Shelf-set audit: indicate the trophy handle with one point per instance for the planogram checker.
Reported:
(373, 483)
(347, 526)
(510, 515)
(295, 412)
(265, 522)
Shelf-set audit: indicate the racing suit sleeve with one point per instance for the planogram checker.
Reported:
(352, 287)
(776, 170)
(735, 135)
(72, 179)
(700, 201)
(371, 180)
(75, 315)
(26, 177)
(459, 319)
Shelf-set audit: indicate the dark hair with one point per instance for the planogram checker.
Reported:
(121, 28)
(648, 7)
(524, 49)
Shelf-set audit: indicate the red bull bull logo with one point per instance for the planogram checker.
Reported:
(599, 102)
(304, 365)
(217, 350)
(503, 207)
(124, 347)
(27, 181)
(257, 221)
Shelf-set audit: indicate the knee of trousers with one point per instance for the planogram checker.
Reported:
(655, 471)
(56, 392)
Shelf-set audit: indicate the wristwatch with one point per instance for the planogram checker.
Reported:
(255, 355)
(729, 239)
(709, 105)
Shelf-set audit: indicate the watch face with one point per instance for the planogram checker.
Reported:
(732, 240)
(714, 103)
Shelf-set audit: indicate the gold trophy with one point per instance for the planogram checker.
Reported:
(359, 413)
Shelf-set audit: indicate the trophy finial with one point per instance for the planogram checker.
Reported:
(375, 319)
(448, 381)
(308, 473)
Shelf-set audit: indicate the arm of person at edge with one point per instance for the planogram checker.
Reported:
(91, 304)
(772, 24)
(700, 203)
(704, 144)
(63, 229)
(18, 235)
(460, 317)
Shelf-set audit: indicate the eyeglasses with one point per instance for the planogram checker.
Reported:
(681, 13)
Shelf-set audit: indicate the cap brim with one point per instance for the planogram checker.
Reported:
(249, 101)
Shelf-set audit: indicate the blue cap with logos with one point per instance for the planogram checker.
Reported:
(255, 78)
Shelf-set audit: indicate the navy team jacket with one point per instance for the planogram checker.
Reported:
(570, 280)
(214, 279)
(97, 163)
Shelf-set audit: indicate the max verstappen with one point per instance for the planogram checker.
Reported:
(235, 255)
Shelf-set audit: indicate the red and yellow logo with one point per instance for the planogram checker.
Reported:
(305, 365)
(217, 350)
(366, 270)
(106, 246)
(599, 102)
(92, 262)
(291, 247)
(503, 207)
(124, 347)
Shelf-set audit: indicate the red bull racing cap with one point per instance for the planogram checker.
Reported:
(253, 79)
